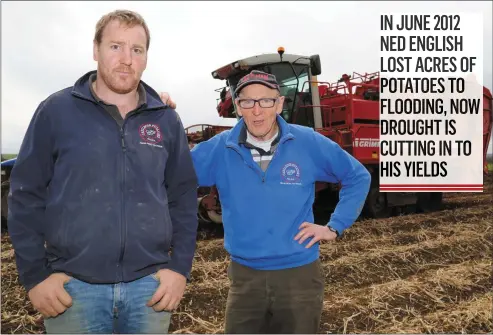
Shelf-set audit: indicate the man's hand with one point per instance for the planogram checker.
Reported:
(170, 291)
(167, 99)
(316, 231)
(49, 297)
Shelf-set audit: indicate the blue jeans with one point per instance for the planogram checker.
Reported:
(110, 308)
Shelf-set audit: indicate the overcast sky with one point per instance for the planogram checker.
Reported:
(47, 46)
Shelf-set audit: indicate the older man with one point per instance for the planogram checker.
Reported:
(265, 171)
(105, 179)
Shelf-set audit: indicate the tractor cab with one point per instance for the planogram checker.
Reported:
(294, 74)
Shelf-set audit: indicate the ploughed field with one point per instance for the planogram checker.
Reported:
(417, 273)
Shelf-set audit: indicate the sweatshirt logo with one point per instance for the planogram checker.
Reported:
(150, 134)
(290, 174)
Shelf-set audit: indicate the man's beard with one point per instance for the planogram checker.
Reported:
(117, 85)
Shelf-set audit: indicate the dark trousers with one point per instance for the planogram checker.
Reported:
(278, 301)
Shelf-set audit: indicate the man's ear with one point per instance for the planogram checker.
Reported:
(280, 105)
(95, 50)
(238, 109)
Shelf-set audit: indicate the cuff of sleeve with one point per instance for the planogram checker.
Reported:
(338, 227)
(173, 266)
(30, 281)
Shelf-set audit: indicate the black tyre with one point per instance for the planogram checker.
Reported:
(376, 204)
(429, 202)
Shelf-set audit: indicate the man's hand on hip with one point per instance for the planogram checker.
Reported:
(49, 297)
(167, 99)
(318, 233)
(170, 291)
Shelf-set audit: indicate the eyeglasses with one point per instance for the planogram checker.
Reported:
(264, 102)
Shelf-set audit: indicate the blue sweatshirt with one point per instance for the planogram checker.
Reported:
(109, 201)
(262, 211)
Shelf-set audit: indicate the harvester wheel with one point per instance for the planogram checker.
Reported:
(376, 204)
(429, 201)
(208, 215)
(202, 213)
(215, 217)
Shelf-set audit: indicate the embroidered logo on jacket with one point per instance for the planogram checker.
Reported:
(150, 134)
(290, 174)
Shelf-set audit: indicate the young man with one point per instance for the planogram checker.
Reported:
(105, 179)
(265, 171)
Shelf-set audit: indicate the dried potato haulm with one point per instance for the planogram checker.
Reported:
(426, 273)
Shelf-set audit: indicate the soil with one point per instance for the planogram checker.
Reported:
(415, 273)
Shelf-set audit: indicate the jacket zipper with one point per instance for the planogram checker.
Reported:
(258, 170)
(123, 231)
(123, 165)
(122, 221)
(268, 166)
(249, 165)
